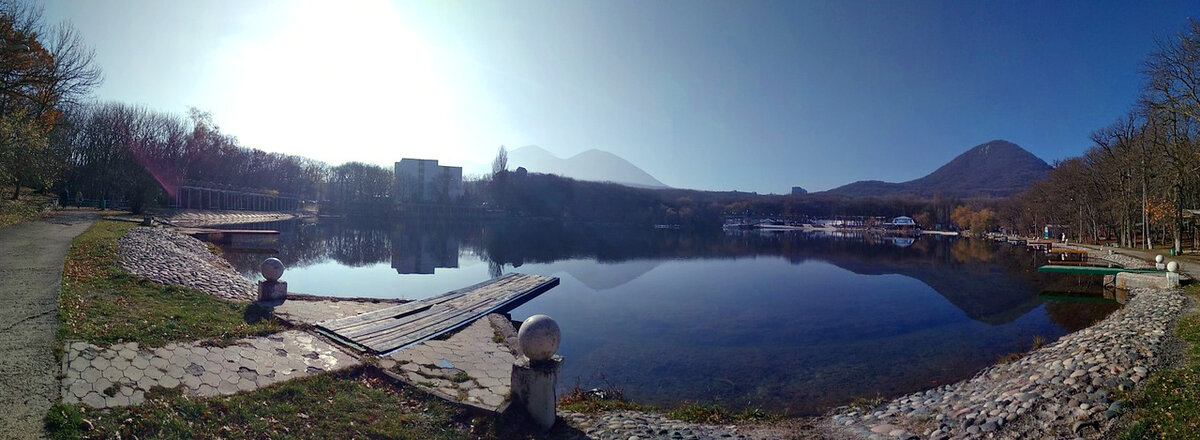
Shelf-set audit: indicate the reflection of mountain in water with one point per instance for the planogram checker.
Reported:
(605, 276)
(988, 282)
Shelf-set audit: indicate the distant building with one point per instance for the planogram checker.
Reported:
(423, 180)
(798, 191)
(902, 224)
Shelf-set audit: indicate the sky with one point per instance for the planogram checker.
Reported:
(717, 95)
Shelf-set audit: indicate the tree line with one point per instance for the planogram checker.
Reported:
(53, 140)
(1136, 183)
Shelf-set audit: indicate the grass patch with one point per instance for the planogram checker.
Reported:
(27, 208)
(613, 399)
(1168, 404)
(866, 403)
(696, 412)
(103, 304)
(336, 405)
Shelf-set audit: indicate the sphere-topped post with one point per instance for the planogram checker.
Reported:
(535, 371)
(272, 289)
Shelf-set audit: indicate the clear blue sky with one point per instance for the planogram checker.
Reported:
(747, 95)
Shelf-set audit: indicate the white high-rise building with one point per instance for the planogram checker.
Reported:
(423, 180)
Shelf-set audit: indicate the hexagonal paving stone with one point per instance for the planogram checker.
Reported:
(112, 373)
(140, 362)
(94, 400)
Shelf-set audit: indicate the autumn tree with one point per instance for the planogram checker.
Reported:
(42, 71)
(962, 217)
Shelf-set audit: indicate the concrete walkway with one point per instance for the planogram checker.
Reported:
(1187, 267)
(31, 262)
(122, 374)
(472, 366)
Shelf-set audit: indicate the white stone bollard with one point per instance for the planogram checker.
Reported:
(1158, 262)
(535, 371)
(1173, 274)
(272, 289)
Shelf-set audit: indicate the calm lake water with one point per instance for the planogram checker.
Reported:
(790, 321)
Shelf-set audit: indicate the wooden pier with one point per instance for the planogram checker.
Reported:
(393, 328)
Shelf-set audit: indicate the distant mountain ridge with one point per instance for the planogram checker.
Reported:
(994, 169)
(595, 165)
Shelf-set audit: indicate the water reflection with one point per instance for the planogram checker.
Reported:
(990, 283)
(786, 320)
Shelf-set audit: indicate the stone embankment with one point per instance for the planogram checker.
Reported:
(193, 219)
(1110, 255)
(1064, 390)
(170, 257)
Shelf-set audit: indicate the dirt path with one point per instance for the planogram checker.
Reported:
(31, 261)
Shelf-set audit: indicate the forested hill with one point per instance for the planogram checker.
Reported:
(995, 169)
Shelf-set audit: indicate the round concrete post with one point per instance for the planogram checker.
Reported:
(273, 289)
(535, 371)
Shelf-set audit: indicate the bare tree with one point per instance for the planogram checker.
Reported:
(500, 163)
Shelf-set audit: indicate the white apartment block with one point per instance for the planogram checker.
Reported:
(423, 180)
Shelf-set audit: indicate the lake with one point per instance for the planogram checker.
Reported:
(788, 321)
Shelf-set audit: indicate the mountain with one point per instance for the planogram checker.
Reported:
(595, 165)
(995, 169)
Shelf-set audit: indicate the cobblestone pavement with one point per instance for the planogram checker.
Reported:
(121, 375)
(312, 311)
(471, 366)
(170, 257)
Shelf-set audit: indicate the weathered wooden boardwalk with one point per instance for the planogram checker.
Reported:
(393, 328)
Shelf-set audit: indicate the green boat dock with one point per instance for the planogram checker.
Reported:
(1091, 270)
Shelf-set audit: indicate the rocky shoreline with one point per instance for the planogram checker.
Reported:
(1065, 389)
(169, 257)
(1062, 390)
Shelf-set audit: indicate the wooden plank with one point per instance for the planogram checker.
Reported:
(389, 322)
(385, 342)
(512, 302)
(423, 320)
(469, 312)
(339, 324)
(349, 321)
(466, 300)
(399, 326)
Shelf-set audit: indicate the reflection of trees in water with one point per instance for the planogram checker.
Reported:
(1073, 316)
(992, 283)
(301, 244)
(972, 250)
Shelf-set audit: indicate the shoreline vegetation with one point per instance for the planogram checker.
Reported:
(104, 304)
(1135, 187)
(91, 270)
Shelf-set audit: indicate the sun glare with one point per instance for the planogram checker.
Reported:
(351, 82)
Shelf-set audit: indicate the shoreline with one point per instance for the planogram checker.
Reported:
(1064, 389)
(936, 413)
